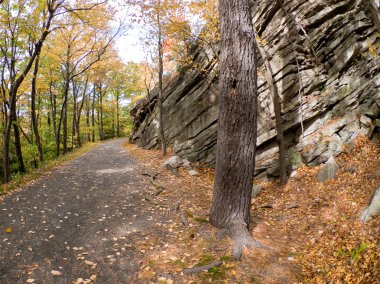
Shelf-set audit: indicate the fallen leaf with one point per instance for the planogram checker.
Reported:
(56, 272)
(88, 262)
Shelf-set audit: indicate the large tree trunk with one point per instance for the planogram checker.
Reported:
(160, 85)
(237, 124)
(33, 111)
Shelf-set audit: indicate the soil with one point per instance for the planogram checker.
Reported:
(79, 220)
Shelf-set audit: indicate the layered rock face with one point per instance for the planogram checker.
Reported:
(324, 55)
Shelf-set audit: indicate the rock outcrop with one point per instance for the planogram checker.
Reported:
(324, 57)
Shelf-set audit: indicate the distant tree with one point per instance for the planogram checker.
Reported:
(161, 19)
(237, 125)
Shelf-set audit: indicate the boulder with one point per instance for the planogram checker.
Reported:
(173, 162)
(373, 208)
(328, 170)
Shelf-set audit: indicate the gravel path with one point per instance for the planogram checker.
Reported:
(81, 219)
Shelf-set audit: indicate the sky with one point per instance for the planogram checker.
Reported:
(129, 47)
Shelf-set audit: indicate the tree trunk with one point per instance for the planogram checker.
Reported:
(33, 111)
(160, 85)
(88, 121)
(117, 115)
(74, 121)
(277, 112)
(53, 107)
(79, 114)
(93, 114)
(18, 147)
(237, 124)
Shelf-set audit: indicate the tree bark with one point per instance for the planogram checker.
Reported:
(237, 124)
(100, 114)
(88, 120)
(93, 114)
(33, 110)
(18, 147)
(74, 121)
(117, 115)
(160, 84)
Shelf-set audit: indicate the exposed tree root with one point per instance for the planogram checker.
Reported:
(158, 191)
(242, 239)
(292, 206)
(184, 219)
(176, 207)
(152, 176)
(159, 187)
(198, 269)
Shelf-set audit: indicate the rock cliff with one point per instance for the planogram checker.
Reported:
(324, 57)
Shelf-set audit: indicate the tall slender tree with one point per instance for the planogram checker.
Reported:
(237, 124)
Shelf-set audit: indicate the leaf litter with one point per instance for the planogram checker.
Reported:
(312, 228)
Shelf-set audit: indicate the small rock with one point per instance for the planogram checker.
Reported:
(56, 273)
(328, 170)
(294, 174)
(290, 258)
(173, 163)
(351, 170)
(193, 173)
(186, 164)
(256, 190)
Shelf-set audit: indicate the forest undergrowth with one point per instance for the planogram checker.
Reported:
(312, 228)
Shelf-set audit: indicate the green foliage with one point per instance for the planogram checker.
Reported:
(205, 259)
(202, 220)
(295, 159)
(355, 252)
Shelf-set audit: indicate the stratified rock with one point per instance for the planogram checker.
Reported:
(328, 170)
(328, 81)
(373, 208)
(173, 163)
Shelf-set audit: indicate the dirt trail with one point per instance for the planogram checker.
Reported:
(80, 220)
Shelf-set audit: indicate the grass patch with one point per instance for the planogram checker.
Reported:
(205, 259)
(19, 180)
(179, 263)
(226, 258)
(202, 220)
